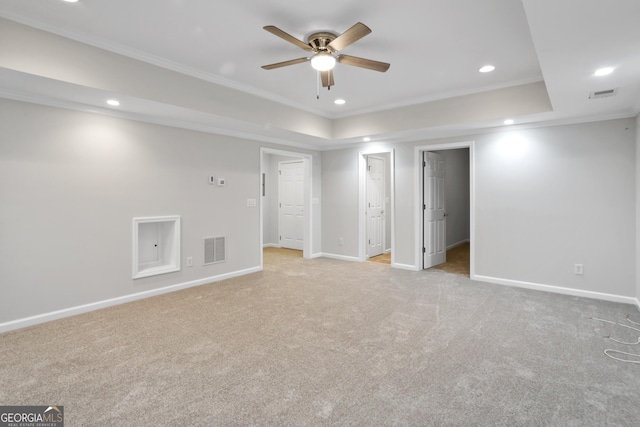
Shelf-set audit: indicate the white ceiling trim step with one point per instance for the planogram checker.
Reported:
(158, 61)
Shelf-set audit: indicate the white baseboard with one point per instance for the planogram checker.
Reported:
(356, 259)
(316, 255)
(405, 267)
(270, 245)
(557, 289)
(72, 311)
(638, 303)
(341, 257)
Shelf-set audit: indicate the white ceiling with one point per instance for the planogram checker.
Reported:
(435, 48)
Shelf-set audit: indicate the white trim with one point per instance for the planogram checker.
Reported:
(307, 160)
(362, 199)
(638, 303)
(340, 257)
(162, 121)
(159, 61)
(440, 96)
(169, 265)
(324, 144)
(405, 267)
(270, 245)
(556, 289)
(72, 311)
(417, 198)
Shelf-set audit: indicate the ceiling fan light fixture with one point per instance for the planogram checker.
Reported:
(323, 61)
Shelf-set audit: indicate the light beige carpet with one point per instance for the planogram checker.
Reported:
(328, 342)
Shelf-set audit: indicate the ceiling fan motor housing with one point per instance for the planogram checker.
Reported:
(320, 41)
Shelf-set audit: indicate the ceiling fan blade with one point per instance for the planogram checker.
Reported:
(288, 37)
(352, 35)
(327, 78)
(285, 63)
(363, 63)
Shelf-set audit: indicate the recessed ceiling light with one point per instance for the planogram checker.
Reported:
(71, 1)
(113, 102)
(339, 101)
(603, 71)
(487, 69)
(508, 122)
(366, 139)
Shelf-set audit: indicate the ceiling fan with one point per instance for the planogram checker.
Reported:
(325, 47)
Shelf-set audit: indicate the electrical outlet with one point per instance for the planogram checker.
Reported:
(341, 241)
(189, 261)
(577, 269)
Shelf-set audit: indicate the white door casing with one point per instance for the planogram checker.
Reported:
(291, 204)
(434, 216)
(375, 205)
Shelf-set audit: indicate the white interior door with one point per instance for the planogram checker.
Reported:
(435, 226)
(291, 204)
(375, 206)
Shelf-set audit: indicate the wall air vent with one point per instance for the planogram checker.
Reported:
(603, 93)
(215, 250)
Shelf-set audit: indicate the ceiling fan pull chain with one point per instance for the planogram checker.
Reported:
(318, 87)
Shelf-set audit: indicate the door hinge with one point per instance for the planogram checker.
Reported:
(369, 168)
(424, 164)
(424, 250)
(280, 237)
(279, 172)
(424, 207)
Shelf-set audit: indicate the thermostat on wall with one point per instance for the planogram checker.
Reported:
(221, 182)
(212, 179)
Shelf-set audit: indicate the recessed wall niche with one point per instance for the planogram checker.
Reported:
(156, 245)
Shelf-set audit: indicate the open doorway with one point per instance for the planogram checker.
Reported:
(285, 208)
(376, 177)
(445, 202)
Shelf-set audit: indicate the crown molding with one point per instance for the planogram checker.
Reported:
(182, 124)
(159, 62)
(438, 97)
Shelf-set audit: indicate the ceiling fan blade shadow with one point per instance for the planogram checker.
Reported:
(288, 37)
(327, 78)
(352, 35)
(285, 63)
(363, 63)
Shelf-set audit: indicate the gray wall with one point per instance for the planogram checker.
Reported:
(457, 195)
(546, 199)
(71, 182)
(637, 210)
